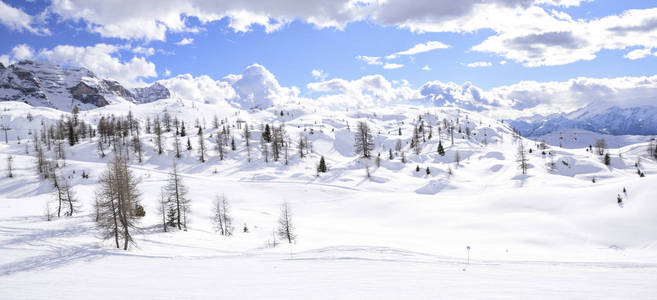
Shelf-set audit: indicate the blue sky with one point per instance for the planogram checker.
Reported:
(569, 39)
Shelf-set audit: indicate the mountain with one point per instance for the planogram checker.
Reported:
(153, 92)
(47, 84)
(614, 120)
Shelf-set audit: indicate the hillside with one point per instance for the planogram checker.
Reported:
(545, 230)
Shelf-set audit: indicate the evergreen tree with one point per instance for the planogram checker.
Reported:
(266, 134)
(607, 159)
(321, 168)
(189, 144)
(441, 150)
(182, 129)
(428, 171)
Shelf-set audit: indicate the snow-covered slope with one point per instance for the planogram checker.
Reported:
(47, 84)
(552, 233)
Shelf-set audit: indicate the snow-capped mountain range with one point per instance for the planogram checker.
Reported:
(614, 120)
(48, 84)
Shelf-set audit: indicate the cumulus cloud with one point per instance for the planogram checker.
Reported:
(426, 68)
(319, 74)
(575, 93)
(638, 53)
(152, 19)
(554, 38)
(530, 32)
(479, 64)
(144, 51)
(451, 94)
(257, 87)
(390, 66)
(22, 52)
(16, 19)
(365, 91)
(185, 41)
(202, 88)
(419, 48)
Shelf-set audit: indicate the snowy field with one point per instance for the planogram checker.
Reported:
(550, 234)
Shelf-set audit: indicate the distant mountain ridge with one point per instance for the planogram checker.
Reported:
(615, 120)
(46, 84)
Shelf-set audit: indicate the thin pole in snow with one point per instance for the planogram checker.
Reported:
(468, 248)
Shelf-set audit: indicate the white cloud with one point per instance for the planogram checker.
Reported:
(554, 38)
(366, 91)
(201, 88)
(426, 68)
(370, 60)
(530, 32)
(503, 62)
(18, 20)
(390, 66)
(22, 52)
(319, 74)
(419, 48)
(152, 19)
(185, 41)
(5, 60)
(638, 53)
(144, 51)
(167, 73)
(479, 64)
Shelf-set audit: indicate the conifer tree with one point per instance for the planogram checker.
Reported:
(441, 150)
(321, 168)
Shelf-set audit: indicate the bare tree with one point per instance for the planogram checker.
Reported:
(302, 145)
(10, 166)
(247, 136)
(201, 145)
(117, 200)
(158, 134)
(222, 218)
(177, 193)
(415, 141)
(521, 158)
(364, 142)
(162, 208)
(176, 145)
(219, 139)
(285, 227)
(600, 146)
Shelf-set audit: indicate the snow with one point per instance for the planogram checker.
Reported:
(400, 233)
